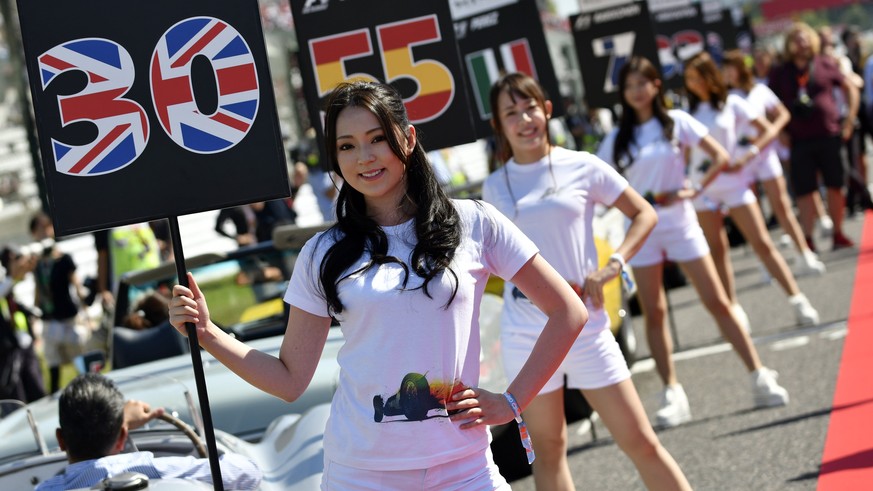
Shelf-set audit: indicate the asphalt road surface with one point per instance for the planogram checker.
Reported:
(728, 445)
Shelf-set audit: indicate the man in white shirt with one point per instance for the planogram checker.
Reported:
(95, 422)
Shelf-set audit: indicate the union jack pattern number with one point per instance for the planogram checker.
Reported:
(123, 125)
(235, 75)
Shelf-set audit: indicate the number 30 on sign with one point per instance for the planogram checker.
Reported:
(123, 125)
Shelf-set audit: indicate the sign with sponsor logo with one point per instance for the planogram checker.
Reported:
(151, 113)
(586, 6)
(605, 40)
(679, 35)
(410, 45)
(499, 37)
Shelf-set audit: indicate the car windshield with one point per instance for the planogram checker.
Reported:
(18, 441)
(244, 289)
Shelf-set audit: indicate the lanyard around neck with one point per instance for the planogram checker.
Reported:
(803, 80)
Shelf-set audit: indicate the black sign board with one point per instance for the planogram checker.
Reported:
(154, 112)
(721, 34)
(500, 37)
(745, 33)
(679, 34)
(410, 45)
(605, 40)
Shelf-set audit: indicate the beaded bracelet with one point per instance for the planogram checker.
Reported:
(522, 428)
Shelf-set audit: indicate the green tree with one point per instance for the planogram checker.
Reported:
(855, 15)
(815, 18)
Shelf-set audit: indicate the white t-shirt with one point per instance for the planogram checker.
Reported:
(659, 164)
(404, 353)
(726, 126)
(557, 215)
(762, 100)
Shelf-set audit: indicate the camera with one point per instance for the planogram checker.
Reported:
(37, 249)
(30, 250)
(803, 107)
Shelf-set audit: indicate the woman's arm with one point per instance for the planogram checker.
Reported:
(566, 313)
(81, 294)
(779, 117)
(719, 155)
(285, 377)
(850, 91)
(643, 219)
(766, 134)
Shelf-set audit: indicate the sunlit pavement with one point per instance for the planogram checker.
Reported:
(728, 445)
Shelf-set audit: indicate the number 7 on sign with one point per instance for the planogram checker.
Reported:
(619, 47)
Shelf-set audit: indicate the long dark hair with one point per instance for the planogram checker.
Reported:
(518, 86)
(703, 63)
(621, 155)
(437, 224)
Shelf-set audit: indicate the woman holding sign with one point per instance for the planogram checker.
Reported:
(550, 193)
(742, 131)
(403, 271)
(648, 148)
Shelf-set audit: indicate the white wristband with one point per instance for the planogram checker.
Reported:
(618, 257)
(754, 150)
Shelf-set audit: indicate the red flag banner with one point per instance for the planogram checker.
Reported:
(774, 9)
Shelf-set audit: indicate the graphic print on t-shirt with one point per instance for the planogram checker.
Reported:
(416, 400)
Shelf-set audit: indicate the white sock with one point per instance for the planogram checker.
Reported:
(799, 298)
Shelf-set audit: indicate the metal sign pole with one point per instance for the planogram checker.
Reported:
(196, 361)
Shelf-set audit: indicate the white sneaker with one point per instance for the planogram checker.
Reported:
(765, 275)
(741, 316)
(825, 226)
(808, 263)
(674, 408)
(767, 392)
(804, 312)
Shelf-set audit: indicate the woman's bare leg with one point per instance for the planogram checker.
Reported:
(653, 302)
(622, 412)
(703, 276)
(547, 425)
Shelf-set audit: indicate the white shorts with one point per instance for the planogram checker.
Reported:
(63, 340)
(782, 151)
(676, 243)
(475, 472)
(594, 361)
(767, 168)
(716, 199)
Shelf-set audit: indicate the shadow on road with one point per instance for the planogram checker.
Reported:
(857, 460)
(793, 419)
